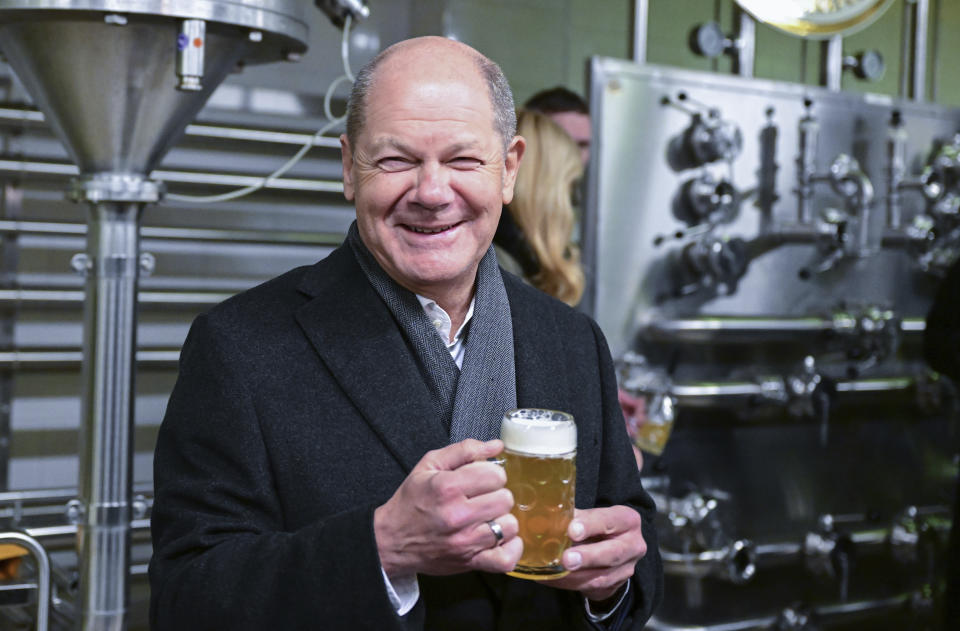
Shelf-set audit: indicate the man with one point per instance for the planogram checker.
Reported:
(319, 464)
(568, 110)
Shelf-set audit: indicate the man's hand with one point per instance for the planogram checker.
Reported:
(607, 543)
(436, 522)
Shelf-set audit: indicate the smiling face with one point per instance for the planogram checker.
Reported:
(428, 173)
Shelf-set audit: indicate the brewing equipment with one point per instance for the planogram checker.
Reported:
(118, 81)
(763, 255)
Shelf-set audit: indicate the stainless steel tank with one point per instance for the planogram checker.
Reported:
(119, 80)
(763, 255)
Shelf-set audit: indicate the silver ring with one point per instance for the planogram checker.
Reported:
(496, 530)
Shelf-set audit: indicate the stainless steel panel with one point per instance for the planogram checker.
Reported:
(736, 238)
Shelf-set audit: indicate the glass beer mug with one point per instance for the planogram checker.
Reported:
(540, 448)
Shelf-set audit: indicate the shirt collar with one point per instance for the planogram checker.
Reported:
(441, 320)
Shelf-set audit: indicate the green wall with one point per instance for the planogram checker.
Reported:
(541, 43)
(783, 57)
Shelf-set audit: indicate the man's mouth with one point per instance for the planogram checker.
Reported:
(431, 230)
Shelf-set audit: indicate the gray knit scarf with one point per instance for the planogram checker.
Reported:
(470, 403)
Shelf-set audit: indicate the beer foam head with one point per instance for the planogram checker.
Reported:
(539, 432)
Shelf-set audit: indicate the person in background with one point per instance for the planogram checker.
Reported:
(567, 109)
(533, 238)
(324, 459)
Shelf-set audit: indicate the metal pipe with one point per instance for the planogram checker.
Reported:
(712, 394)
(641, 14)
(65, 535)
(809, 132)
(896, 169)
(935, 48)
(746, 44)
(831, 74)
(825, 613)
(34, 360)
(183, 177)
(701, 563)
(73, 297)
(919, 66)
(61, 495)
(738, 329)
(43, 573)
(20, 115)
(106, 444)
(330, 239)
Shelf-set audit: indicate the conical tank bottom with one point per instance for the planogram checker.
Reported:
(109, 90)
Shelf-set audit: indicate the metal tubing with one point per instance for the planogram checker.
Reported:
(65, 535)
(18, 115)
(641, 15)
(711, 329)
(38, 360)
(919, 66)
(106, 453)
(831, 75)
(182, 234)
(746, 44)
(43, 573)
(825, 613)
(806, 166)
(710, 394)
(34, 297)
(768, 554)
(896, 169)
(182, 177)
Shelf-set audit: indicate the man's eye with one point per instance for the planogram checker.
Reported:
(393, 163)
(465, 162)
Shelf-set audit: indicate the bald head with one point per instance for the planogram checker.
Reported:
(433, 57)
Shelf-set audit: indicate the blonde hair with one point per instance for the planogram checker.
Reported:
(542, 207)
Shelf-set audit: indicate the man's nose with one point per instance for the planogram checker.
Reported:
(433, 186)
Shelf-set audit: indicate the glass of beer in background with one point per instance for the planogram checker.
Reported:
(540, 448)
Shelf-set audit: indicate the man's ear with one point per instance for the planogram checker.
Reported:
(511, 165)
(346, 156)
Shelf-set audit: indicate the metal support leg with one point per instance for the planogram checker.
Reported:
(111, 265)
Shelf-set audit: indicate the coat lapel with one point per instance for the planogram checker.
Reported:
(356, 337)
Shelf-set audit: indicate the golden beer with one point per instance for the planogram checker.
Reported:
(539, 456)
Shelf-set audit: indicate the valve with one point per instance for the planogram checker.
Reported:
(942, 175)
(711, 138)
(704, 199)
(830, 553)
(338, 10)
(795, 618)
(714, 262)
(869, 335)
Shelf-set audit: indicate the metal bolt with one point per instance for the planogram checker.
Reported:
(81, 263)
(75, 511)
(139, 507)
(256, 36)
(148, 263)
(116, 19)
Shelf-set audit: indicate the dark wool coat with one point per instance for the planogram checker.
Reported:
(299, 409)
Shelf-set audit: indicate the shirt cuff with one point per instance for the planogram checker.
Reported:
(601, 616)
(403, 592)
